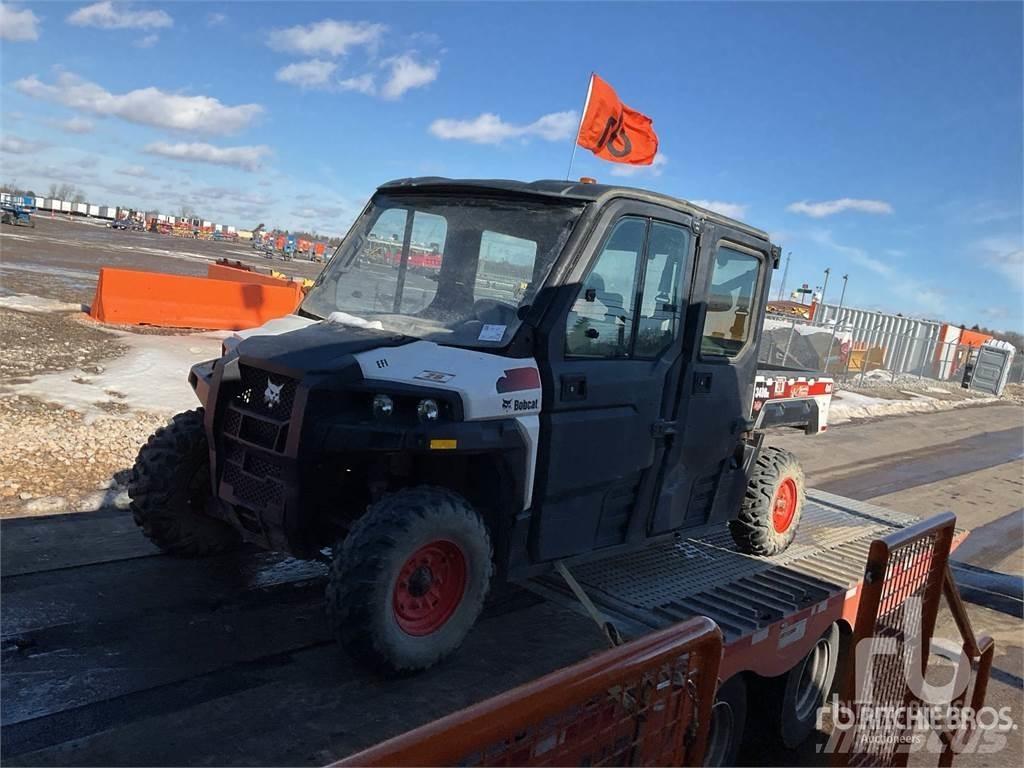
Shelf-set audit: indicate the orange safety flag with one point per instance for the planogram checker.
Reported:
(613, 131)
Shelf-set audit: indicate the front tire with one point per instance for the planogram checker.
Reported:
(409, 580)
(772, 505)
(169, 486)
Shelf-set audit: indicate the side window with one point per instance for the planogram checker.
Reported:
(730, 303)
(600, 322)
(660, 310)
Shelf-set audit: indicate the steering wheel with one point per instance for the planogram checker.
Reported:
(494, 312)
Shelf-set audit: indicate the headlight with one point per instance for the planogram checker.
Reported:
(383, 405)
(428, 410)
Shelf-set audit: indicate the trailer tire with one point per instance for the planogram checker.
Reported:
(728, 721)
(422, 542)
(805, 688)
(772, 504)
(168, 487)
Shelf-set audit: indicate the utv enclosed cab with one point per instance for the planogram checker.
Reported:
(489, 376)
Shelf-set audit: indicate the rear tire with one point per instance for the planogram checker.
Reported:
(772, 505)
(728, 721)
(409, 580)
(169, 487)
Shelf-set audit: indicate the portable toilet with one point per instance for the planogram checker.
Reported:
(989, 367)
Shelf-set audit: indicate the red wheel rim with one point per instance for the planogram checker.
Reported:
(430, 587)
(784, 506)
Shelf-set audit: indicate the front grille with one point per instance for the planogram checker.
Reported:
(268, 394)
(254, 423)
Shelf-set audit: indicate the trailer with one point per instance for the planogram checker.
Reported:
(93, 210)
(105, 659)
(720, 639)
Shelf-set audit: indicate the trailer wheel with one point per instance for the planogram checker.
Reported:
(409, 581)
(728, 721)
(806, 688)
(772, 505)
(169, 485)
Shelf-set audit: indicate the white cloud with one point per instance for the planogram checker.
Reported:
(732, 210)
(247, 158)
(136, 171)
(917, 295)
(18, 26)
(75, 125)
(315, 73)
(147, 41)
(110, 15)
(19, 146)
(327, 37)
(1005, 256)
(146, 106)
(489, 128)
(654, 169)
(407, 73)
(215, 19)
(361, 84)
(830, 207)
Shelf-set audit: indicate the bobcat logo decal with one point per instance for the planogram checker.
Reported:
(272, 394)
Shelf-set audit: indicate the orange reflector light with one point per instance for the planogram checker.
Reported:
(443, 445)
(588, 180)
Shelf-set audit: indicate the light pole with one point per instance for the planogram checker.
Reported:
(824, 288)
(835, 324)
(785, 274)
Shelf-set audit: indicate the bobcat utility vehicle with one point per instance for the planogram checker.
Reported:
(488, 378)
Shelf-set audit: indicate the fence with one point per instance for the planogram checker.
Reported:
(647, 702)
(857, 352)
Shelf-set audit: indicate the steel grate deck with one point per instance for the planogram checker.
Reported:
(706, 576)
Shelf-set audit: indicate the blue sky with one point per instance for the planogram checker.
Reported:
(881, 140)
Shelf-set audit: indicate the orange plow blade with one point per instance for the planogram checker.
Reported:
(175, 301)
(224, 272)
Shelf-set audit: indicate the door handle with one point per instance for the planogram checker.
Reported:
(572, 387)
(701, 382)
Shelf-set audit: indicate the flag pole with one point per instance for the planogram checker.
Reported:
(576, 136)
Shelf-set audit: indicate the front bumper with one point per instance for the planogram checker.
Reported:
(272, 465)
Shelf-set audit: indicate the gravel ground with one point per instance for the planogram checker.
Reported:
(32, 343)
(51, 459)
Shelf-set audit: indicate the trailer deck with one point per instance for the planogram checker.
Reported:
(116, 654)
(758, 603)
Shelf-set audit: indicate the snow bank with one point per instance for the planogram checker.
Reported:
(853, 405)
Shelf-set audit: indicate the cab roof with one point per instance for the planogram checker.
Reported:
(566, 190)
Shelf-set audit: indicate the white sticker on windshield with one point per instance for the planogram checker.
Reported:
(491, 333)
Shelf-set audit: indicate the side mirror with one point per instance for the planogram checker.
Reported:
(590, 294)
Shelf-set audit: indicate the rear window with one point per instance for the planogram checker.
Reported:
(730, 303)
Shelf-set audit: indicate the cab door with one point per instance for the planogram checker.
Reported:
(702, 477)
(609, 360)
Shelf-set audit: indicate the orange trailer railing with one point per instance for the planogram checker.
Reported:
(906, 578)
(647, 702)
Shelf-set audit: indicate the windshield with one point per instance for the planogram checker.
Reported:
(454, 270)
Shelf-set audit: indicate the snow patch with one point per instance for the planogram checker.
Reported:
(151, 376)
(26, 302)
